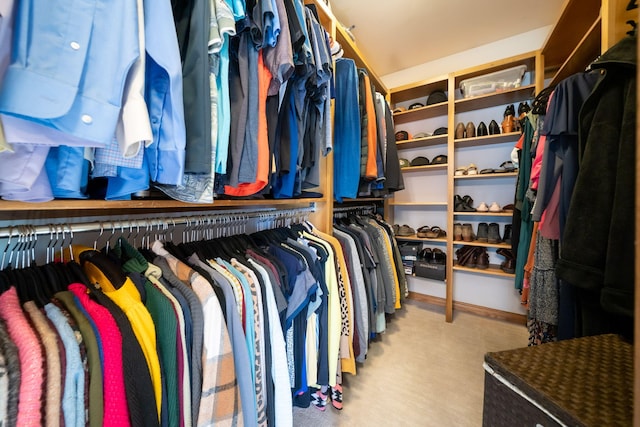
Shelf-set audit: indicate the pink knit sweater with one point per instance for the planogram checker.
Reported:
(116, 411)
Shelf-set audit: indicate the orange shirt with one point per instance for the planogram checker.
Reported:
(262, 173)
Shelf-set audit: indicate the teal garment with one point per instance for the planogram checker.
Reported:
(164, 317)
(526, 227)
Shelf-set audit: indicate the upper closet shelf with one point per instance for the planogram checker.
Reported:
(576, 18)
(485, 101)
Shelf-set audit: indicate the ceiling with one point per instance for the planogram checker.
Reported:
(397, 35)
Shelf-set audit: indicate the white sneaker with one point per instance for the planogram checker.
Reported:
(483, 207)
(495, 207)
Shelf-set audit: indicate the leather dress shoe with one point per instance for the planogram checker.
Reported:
(460, 131)
(523, 108)
(494, 129)
(471, 130)
(509, 124)
(482, 130)
(510, 111)
(457, 231)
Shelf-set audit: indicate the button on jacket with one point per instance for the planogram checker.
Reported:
(68, 91)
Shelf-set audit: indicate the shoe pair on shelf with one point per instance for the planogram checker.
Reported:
(403, 230)
(506, 166)
(434, 232)
(473, 257)
(511, 123)
(466, 170)
(463, 232)
(488, 233)
(463, 204)
(469, 131)
(433, 255)
(495, 207)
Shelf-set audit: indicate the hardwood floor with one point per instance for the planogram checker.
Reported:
(421, 372)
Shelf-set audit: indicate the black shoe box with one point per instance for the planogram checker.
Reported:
(409, 250)
(429, 270)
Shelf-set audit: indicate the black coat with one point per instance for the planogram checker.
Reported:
(597, 247)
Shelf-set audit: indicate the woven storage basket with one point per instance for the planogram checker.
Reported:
(580, 382)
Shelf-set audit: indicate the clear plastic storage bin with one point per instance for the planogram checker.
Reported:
(498, 81)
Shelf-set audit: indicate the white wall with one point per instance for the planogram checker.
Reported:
(525, 42)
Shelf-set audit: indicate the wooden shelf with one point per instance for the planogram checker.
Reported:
(483, 245)
(81, 208)
(574, 21)
(496, 214)
(417, 204)
(487, 175)
(421, 113)
(493, 270)
(415, 238)
(422, 142)
(528, 59)
(488, 140)
(585, 52)
(418, 90)
(494, 99)
(423, 168)
(361, 199)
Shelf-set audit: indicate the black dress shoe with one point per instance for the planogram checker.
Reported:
(510, 111)
(523, 108)
(482, 129)
(494, 129)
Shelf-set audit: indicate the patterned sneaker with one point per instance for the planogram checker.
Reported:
(319, 400)
(336, 396)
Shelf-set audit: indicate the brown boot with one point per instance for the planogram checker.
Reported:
(508, 124)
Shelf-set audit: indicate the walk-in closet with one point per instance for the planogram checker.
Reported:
(319, 213)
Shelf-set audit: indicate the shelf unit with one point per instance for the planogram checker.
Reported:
(455, 107)
(584, 29)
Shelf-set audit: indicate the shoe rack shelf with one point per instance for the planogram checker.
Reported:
(420, 239)
(487, 175)
(420, 118)
(425, 204)
(482, 244)
(422, 142)
(493, 270)
(424, 168)
(484, 214)
(479, 141)
(491, 100)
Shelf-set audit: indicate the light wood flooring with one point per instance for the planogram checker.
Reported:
(421, 372)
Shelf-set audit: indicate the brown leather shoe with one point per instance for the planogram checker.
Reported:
(460, 131)
(509, 124)
(509, 264)
(471, 130)
(457, 231)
